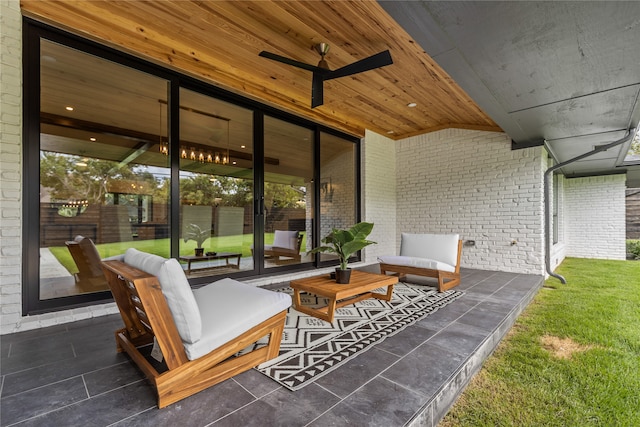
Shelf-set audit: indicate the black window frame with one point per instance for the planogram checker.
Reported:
(33, 32)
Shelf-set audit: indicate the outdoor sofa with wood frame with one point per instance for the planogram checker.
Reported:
(199, 332)
(431, 255)
(286, 243)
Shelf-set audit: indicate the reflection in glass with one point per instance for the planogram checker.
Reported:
(337, 185)
(103, 175)
(288, 211)
(216, 186)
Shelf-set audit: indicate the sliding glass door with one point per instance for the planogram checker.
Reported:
(120, 154)
(288, 193)
(216, 186)
(102, 175)
(338, 184)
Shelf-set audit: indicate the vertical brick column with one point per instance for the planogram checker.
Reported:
(10, 163)
(379, 194)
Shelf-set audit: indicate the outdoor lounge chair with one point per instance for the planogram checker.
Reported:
(431, 255)
(84, 253)
(199, 332)
(285, 244)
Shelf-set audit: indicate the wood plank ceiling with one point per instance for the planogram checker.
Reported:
(219, 42)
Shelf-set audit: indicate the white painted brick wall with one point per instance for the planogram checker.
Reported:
(472, 183)
(10, 163)
(379, 193)
(595, 217)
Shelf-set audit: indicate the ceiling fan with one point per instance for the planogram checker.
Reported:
(321, 72)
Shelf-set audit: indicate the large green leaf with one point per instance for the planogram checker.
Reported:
(354, 246)
(361, 230)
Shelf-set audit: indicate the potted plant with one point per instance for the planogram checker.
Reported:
(194, 232)
(345, 243)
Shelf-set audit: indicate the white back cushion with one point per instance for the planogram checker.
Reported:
(175, 288)
(285, 239)
(438, 247)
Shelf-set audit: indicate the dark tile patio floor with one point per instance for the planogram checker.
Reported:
(70, 375)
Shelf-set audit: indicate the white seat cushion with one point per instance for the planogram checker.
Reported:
(229, 308)
(408, 261)
(438, 247)
(175, 288)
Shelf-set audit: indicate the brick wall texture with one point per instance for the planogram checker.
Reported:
(472, 183)
(10, 163)
(379, 193)
(595, 217)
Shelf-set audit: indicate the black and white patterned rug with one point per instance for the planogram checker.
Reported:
(311, 347)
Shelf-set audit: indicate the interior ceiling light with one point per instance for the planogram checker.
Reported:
(411, 104)
(93, 139)
(68, 108)
(163, 144)
(198, 154)
(390, 132)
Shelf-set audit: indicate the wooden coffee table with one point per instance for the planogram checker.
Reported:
(220, 255)
(339, 295)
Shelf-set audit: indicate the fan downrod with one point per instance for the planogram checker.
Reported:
(322, 49)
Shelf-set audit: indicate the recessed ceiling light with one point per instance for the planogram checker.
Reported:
(390, 132)
(243, 146)
(234, 162)
(411, 104)
(92, 139)
(69, 108)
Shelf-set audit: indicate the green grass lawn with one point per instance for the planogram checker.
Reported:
(595, 320)
(240, 243)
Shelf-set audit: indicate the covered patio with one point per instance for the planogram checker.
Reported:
(71, 374)
(496, 107)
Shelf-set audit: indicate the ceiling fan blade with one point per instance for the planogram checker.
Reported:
(290, 61)
(317, 90)
(375, 61)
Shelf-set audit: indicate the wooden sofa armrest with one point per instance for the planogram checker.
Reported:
(144, 310)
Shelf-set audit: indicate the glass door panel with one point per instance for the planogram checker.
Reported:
(103, 175)
(216, 186)
(288, 176)
(337, 185)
